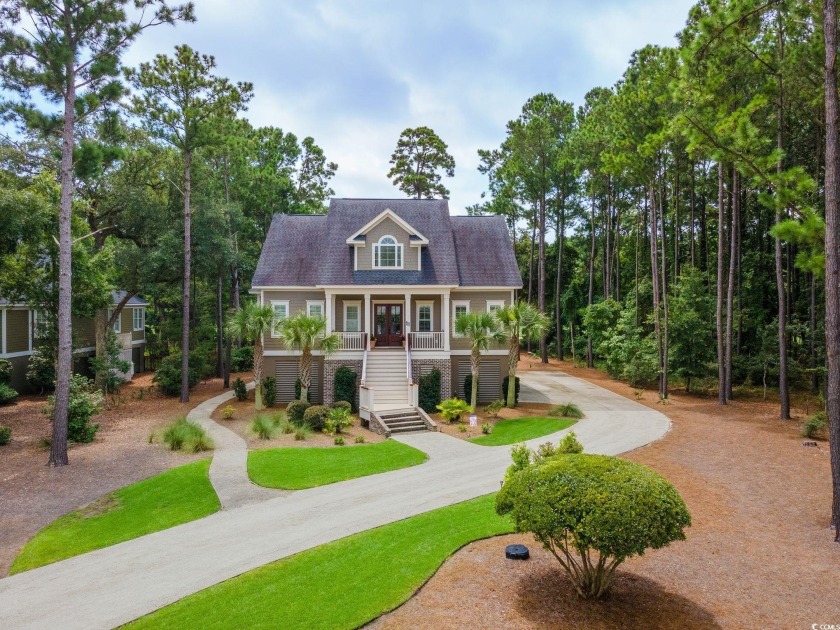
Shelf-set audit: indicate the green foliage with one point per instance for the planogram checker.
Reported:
(240, 390)
(295, 410)
(269, 385)
(505, 385)
(242, 359)
(521, 429)
(345, 386)
(585, 505)
(338, 441)
(691, 332)
(418, 163)
(338, 419)
(228, 412)
(486, 429)
(342, 404)
(429, 391)
(316, 417)
(110, 368)
(264, 427)
(168, 374)
(40, 373)
(185, 435)
(495, 407)
(302, 431)
(815, 425)
(462, 428)
(570, 445)
(521, 456)
(454, 409)
(5, 435)
(5, 371)
(298, 390)
(569, 410)
(85, 402)
(7, 394)
(468, 381)
(360, 439)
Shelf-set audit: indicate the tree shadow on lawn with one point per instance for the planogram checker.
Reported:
(547, 599)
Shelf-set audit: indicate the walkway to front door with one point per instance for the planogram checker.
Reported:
(389, 324)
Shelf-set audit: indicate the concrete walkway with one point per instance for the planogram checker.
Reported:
(111, 586)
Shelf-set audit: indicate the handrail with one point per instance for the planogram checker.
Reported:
(430, 340)
(408, 362)
(366, 346)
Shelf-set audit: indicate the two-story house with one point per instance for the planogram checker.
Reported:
(390, 276)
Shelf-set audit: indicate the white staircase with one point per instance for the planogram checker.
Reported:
(386, 375)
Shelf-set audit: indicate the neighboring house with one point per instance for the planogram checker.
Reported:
(18, 326)
(390, 277)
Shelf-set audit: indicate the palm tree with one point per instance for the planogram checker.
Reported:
(481, 329)
(519, 322)
(250, 323)
(306, 333)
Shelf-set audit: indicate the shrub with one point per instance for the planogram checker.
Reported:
(187, 436)
(342, 404)
(5, 435)
(569, 445)
(569, 410)
(302, 431)
(815, 425)
(495, 407)
(168, 374)
(227, 412)
(40, 373)
(360, 439)
(295, 411)
(429, 391)
(594, 505)
(110, 369)
(338, 441)
(344, 389)
(521, 456)
(486, 429)
(462, 428)
(505, 384)
(454, 409)
(242, 359)
(544, 451)
(7, 394)
(269, 387)
(264, 427)
(297, 392)
(316, 417)
(468, 386)
(338, 419)
(5, 371)
(85, 402)
(240, 390)
(284, 426)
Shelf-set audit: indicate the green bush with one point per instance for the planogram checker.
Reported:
(240, 390)
(297, 392)
(345, 386)
(5, 371)
(85, 402)
(468, 386)
(569, 410)
(570, 445)
(454, 409)
(168, 374)
(187, 436)
(338, 441)
(360, 439)
(302, 431)
(228, 412)
(242, 359)
(5, 435)
(495, 407)
(264, 427)
(505, 384)
(7, 394)
(295, 411)
(429, 391)
(596, 510)
(815, 425)
(521, 456)
(338, 419)
(316, 417)
(486, 429)
(342, 404)
(40, 373)
(269, 385)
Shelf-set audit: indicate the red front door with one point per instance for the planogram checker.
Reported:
(389, 324)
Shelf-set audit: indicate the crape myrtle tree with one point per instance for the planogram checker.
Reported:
(67, 53)
(418, 163)
(181, 102)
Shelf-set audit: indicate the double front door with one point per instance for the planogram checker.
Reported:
(389, 324)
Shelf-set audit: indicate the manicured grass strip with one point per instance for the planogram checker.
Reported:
(521, 429)
(176, 496)
(299, 468)
(343, 584)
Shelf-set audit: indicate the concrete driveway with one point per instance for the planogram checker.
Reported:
(112, 586)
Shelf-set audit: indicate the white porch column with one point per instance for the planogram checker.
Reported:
(368, 316)
(328, 311)
(444, 312)
(407, 314)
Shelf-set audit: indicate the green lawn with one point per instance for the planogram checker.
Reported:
(522, 429)
(343, 584)
(299, 468)
(165, 500)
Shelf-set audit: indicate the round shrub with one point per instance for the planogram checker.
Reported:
(85, 402)
(342, 404)
(7, 394)
(5, 371)
(316, 417)
(240, 390)
(295, 411)
(505, 384)
(242, 359)
(814, 425)
(269, 385)
(345, 386)
(593, 507)
(168, 375)
(429, 391)
(40, 373)
(5, 435)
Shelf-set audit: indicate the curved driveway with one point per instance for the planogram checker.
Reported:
(111, 586)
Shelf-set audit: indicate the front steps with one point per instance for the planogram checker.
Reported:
(386, 375)
(402, 420)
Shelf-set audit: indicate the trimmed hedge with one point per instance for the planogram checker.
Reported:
(168, 375)
(7, 394)
(316, 417)
(269, 385)
(295, 411)
(345, 386)
(505, 383)
(429, 392)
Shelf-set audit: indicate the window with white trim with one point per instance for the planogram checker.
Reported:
(352, 316)
(315, 308)
(494, 305)
(459, 307)
(280, 308)
(387, 253)
(425, 317)
(138, 319)
(117, 326)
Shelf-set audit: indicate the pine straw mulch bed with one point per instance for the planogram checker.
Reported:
(525, 410)
(32, 495)
(758, 554)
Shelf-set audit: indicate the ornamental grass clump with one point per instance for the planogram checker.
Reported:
(569, 410)
(592, 512)
(183, 435)
(264, 427)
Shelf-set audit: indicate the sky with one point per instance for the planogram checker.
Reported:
(354, 75)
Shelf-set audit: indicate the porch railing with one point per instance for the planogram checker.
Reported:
(352, 340)
(426, 340)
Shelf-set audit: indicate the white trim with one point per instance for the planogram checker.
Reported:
(477, 288)
(134, 310)
(274, 320)
(321, 303)
(387, 214)
(14, 355)
(358, 305)
(466, 353)
(381, 288)
(496, 303)
(455, 305)
(431, 305)
(117, 325)
(292, 353)
(138, 342)
(88, 349)
(399, 253)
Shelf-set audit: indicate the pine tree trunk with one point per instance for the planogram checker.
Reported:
(185, 329)
(541, 279)
(730, 286)
(531, 266)
(832, 257)
(663, 383)
(720, 280)
(784, 394)
(64, 362)
(691, 229)
(558, 313)
(590, 360)
(220, 363)
(654, 273)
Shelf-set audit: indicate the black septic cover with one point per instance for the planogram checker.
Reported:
(516, 552)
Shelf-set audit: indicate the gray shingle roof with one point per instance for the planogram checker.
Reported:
(134, 300)
(309, 250)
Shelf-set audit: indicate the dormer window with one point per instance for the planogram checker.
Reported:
(387, 254)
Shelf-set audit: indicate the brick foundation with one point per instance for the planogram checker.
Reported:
(445, 367)
(330, 368)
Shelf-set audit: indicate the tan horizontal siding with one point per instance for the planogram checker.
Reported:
(478, 303)
(390, 228)
(17, 330)
(297, 304)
